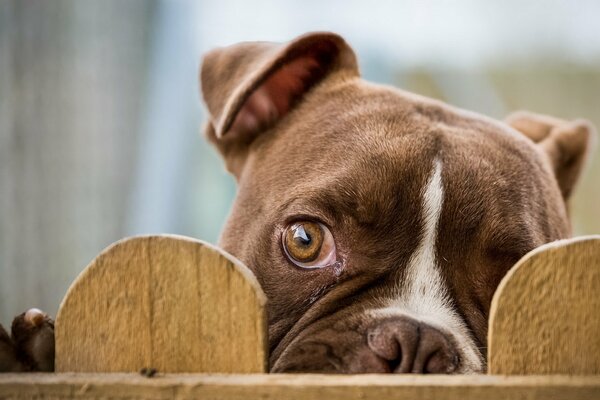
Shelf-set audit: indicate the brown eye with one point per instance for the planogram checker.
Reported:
(309, 244)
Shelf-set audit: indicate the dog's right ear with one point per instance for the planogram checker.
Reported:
(249, 87)
(566, 143)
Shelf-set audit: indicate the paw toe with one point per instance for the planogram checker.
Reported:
(34, 317)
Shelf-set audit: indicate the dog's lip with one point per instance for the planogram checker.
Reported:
(320, 309)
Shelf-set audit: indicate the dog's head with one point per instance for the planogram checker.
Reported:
(379, 223)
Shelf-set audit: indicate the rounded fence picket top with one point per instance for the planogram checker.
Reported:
(166, 302)
(545, 315)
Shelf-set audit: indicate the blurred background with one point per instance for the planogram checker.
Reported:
(100, 113)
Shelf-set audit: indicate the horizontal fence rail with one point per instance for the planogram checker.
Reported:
(299, 387)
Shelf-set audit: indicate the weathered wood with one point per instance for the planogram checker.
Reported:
(545, 315)
(165, 302)
(301, 387)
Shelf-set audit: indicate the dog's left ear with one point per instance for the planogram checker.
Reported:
(249, 87)
(567, 143)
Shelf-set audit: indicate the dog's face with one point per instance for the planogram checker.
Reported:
(378, 223)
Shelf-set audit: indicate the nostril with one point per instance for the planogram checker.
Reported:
(384, 345)
(395, 341)
(436, 355)
(441, 362)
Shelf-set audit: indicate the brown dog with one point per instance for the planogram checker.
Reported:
(379, 223)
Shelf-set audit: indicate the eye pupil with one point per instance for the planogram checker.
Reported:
(301, 237)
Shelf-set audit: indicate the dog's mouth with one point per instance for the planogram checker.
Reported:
(347, 298)
(349, 331)
(376, 342)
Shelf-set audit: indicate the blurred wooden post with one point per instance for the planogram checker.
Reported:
(545, 315)
(165, 302)
(73, 83)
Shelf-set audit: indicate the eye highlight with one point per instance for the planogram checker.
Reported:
(309, 244)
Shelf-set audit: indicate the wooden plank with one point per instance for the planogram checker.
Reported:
(166, 302)
(301, 387)
(545, 315)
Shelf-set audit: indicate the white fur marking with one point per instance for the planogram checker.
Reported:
(426, 292)
(424, 295)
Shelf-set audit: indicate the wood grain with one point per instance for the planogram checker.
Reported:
(298, 387)
(165, 302)
(545, 315)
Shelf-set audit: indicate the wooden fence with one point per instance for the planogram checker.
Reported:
(197, 315)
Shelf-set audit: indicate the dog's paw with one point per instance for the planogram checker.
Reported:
(8, 357)
(31, 344)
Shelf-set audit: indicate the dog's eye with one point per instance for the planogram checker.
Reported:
(309, 244)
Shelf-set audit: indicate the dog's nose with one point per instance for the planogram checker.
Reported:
(410, 346)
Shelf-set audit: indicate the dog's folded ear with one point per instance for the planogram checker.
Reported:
(249, 87)
(567, 143)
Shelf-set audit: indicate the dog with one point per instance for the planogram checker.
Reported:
(378, 222)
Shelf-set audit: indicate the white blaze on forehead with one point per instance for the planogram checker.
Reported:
(425, 292)
(422, 294)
